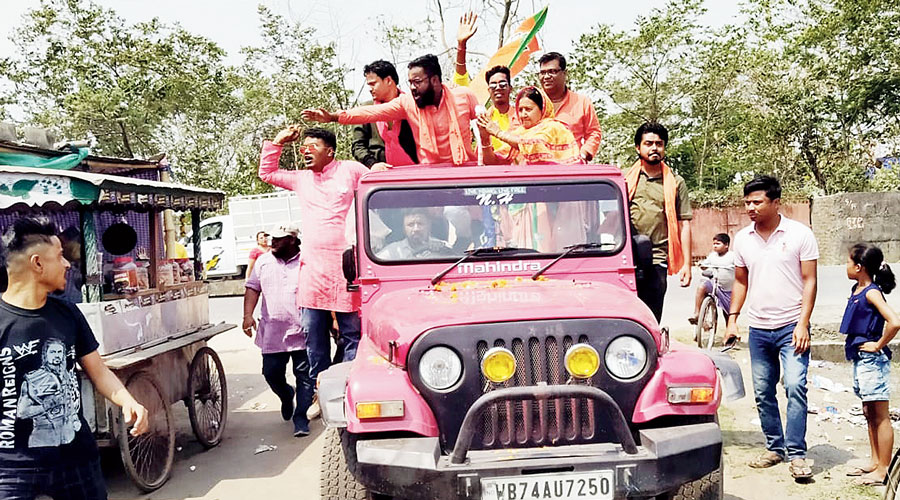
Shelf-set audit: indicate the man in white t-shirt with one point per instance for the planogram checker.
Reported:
(719, 264)
(775, 271)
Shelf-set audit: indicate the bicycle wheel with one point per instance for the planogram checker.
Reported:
(893, 478)
(148, 458)
(707, 321)
(208, 397)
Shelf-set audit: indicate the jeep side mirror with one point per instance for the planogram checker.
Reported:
(642, 248)
(348, 264)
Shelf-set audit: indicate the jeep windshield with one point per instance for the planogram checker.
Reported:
(444, 223)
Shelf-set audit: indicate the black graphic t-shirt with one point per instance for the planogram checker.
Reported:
(41, 422)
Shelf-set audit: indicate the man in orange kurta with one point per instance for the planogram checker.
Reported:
(439, 115)
(572, 108)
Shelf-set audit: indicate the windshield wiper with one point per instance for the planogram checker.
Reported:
(476, 252)
(569, 249)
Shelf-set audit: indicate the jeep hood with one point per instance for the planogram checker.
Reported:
(399, 317)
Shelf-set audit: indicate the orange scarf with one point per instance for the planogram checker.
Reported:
(670, 189)
(428, 139)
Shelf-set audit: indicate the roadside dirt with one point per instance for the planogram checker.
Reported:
(834, 442)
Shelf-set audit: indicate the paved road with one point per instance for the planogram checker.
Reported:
(232, 471)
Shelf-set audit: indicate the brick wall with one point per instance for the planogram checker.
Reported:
(710, 221)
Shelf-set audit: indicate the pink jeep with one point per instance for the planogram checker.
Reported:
(505, 354)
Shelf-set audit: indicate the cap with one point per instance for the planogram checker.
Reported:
(282, 230)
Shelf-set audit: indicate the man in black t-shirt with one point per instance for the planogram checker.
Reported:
(46, 446)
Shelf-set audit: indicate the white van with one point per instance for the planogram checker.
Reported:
(226, 240)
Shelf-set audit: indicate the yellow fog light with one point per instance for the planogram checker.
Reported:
(498, 365)
(379, 409)
(582, 361)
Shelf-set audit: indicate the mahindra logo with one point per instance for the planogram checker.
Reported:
(497, 267)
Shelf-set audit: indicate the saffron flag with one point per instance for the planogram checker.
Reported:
(514, 54)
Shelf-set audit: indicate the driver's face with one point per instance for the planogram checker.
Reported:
(417, 229)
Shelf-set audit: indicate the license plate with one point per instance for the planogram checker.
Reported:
(597, 485)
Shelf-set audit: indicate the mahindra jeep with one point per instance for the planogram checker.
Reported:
(505, 354)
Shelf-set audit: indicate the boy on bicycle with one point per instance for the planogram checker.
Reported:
(719, 264)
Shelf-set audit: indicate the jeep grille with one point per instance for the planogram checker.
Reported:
(539, 348)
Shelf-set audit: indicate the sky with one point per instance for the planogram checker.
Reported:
(233, 24)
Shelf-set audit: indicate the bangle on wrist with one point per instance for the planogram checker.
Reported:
(734, 314)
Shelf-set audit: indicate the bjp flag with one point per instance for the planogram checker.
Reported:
(514, 54)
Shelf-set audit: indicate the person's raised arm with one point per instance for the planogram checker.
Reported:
(491, 127)
(271, 154)
(388, 111)
(465, 31)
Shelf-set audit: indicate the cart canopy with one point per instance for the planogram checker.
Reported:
(35, 187)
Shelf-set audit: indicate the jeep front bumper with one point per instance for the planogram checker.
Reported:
(664, 459)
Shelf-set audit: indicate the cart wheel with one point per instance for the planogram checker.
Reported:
(208, 397)
(148, 458)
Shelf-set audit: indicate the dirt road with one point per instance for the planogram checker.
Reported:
(233, 471)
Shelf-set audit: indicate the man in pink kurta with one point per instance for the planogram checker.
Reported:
(438, 115)
(325, 191)
(572, 108)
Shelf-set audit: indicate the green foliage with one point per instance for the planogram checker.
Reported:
(81, 68)
(803, 90)
(287, 73)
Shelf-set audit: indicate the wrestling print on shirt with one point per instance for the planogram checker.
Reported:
(50, 397)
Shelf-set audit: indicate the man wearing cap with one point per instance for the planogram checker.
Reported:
(278, 333)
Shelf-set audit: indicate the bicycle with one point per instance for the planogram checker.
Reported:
(708, 318)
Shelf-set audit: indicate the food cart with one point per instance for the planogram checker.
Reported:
(153, 336)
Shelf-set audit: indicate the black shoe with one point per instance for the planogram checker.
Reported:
(287, 406)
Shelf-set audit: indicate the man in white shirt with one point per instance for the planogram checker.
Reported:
(775, 271)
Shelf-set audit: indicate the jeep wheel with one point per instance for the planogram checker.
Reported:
(338, 460)
(708, 487)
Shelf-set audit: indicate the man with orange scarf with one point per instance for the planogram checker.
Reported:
(438, 115)
(660, 209)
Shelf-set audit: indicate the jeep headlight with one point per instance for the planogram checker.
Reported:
(626, 357)
(440, 368)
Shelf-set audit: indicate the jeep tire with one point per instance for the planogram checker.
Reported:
(708, 487)
(338, 462)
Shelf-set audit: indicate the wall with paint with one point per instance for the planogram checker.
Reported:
(841, 220)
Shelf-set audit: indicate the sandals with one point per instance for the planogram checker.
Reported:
(858, 471)
(692, 320)
(867, 480)
(801, 468)
(766, 460)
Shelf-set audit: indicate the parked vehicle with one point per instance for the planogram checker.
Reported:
(226, 240)
(505, 353)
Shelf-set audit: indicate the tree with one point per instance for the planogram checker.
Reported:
(641, 75)
(288, 72)
(80, 68)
